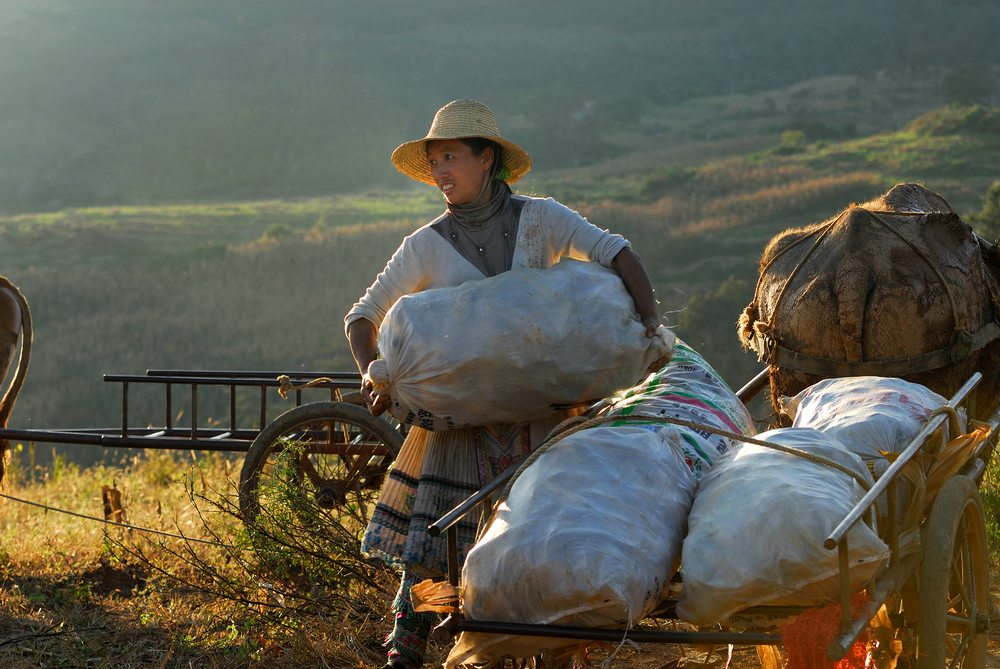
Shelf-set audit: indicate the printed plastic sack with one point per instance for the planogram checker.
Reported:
(509, 347)
(591, 531)
(757, 527)
(871, 416)
(688, 389)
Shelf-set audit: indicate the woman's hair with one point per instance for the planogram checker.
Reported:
(480, 144)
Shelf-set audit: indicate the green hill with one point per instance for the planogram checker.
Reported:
(264, 285)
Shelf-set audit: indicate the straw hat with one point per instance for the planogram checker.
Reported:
(456, 120)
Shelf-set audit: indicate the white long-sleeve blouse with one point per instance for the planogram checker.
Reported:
(547, 232)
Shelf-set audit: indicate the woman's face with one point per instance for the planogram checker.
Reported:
(456, 170)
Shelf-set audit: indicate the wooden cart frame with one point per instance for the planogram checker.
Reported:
(346, 451)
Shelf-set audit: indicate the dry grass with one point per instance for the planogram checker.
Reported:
(77, 593)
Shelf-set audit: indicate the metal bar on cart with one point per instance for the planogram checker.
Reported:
(217, 374)
(754, 385)
(601, 634)
(849, 626)
(441, 524)
(891, 581)
(114, 439)
(238, 380)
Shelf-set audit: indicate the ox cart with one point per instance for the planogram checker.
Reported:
(934, 603)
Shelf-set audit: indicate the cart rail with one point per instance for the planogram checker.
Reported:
(236, 437)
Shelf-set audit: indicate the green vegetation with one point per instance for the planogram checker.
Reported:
(987, 219)
(264, 285)
(76, 593)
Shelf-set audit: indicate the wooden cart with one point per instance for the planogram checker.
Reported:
(937, 599)
(343, 451)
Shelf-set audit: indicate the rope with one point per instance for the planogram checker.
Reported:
(923, 256)
(285, 384)
(570, 429)
(116, 524)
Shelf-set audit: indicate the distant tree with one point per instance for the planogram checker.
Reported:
(987, 219)
(792, 141)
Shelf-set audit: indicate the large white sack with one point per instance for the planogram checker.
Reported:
(872, 416)
(509, 347)
(591, 531)
(758, 523)
(589, 535)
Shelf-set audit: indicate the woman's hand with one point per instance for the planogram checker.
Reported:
(363, 335)
(376, 402)
(633, 274)
(651, 323)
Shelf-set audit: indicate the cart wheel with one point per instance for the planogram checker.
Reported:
(324, 459)
(954, 593)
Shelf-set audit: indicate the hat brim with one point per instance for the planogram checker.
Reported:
(411, 158)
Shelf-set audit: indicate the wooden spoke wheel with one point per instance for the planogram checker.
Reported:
(323, 461)
(954, 602)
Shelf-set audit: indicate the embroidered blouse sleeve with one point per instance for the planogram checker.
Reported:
(403, 274)
(572, 235)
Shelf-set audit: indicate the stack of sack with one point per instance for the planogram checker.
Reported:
(590, 532)
(761, 515)
(512, 347)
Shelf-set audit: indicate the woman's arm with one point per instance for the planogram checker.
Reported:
(363, 337)
(633, 274)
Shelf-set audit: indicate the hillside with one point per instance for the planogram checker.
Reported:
(264, 285)
(117, 102)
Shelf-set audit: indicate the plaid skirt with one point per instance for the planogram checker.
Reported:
(433, 473)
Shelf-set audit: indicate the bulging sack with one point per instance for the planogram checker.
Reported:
(589, 535)
(510, 347)
(758, 523)
(871, 416)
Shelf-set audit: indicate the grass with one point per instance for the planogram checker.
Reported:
(77, 593)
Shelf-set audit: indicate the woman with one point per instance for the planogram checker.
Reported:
(485, 230)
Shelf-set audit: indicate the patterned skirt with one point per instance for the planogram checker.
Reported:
(434, 472)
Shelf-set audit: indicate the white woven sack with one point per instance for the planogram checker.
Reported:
(758, 524)
(509, 347)
(591, 532)
(688, 389)
(868, 414)
(871, 416)
(589, 535)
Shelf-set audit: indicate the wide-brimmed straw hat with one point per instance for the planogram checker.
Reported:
(456, 120)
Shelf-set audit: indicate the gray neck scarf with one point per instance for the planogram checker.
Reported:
(485, 232)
